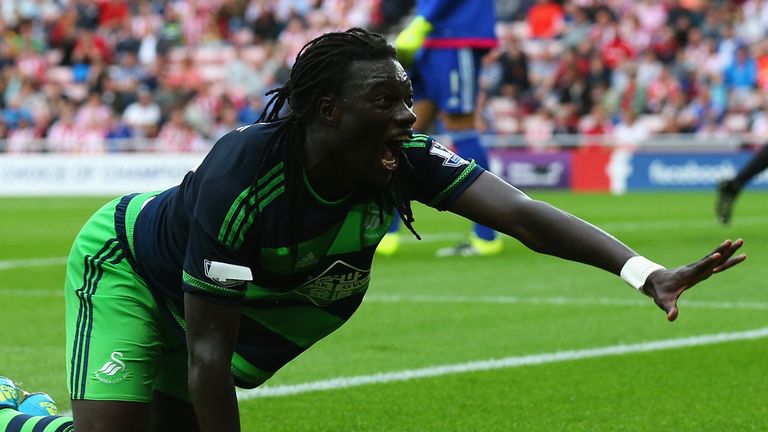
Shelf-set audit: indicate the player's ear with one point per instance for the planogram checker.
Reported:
(330, 112)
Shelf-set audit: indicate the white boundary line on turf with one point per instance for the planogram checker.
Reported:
(553, 301)
(494, 364)
(32, 262)
(462, 299)
(451, 236)
(503, 363)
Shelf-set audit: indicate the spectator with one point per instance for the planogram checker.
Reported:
(24, 137)
(545, 20)
(251, 111)
(226, 122)
(93, 112)
(64, 135)
(630, 133)
(126, 76)
(514, 67)
(578, 27)
(117, 134)
(241, 77)
(741, 73)
(651, 14)
(143, 116)
(90, 48)
(177, 135)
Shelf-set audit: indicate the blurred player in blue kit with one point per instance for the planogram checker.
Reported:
(442, 50)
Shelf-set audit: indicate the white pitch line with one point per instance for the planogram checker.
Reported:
(503, 363)
(455, 235)
(677, 224)
(32, 292)
(32, 262)
(553, 301)
(508, 300)
(494, 364)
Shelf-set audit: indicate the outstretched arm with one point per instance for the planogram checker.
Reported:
(546, 229)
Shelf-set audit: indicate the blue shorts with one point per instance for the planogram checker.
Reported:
(448, 77)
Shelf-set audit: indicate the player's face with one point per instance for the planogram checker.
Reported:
(376, 117)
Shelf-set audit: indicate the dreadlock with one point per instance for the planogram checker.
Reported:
(319, 69)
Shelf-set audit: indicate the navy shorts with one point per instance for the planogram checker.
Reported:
(448, 77)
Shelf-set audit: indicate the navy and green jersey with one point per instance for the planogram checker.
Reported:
(226, 214)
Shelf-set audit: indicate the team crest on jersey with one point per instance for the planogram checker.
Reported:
(338, 281)
(450, 159)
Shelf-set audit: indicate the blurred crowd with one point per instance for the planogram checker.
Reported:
(93, 75)
(630, 69)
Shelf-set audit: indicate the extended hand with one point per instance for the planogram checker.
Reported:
(411, 39)
(666, 286)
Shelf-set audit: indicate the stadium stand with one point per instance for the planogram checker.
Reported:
(616, 70)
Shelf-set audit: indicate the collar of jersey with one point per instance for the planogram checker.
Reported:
(322, 200)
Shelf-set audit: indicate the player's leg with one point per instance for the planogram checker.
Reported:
(171, 405)
(22, 411)
(112, 332)
(101, 415)
(172, 414)
(12, 420)
(456, 96)
(728, 190)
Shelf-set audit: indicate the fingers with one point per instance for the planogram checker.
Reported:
(730, 263)
(728, 248)
(719, 259)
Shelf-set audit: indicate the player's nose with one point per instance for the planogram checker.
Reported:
(405, 116)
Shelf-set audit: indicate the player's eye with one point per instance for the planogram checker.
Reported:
(383, 101)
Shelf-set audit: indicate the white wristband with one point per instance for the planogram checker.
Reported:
(637, 269)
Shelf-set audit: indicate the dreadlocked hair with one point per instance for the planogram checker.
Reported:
(319, 70)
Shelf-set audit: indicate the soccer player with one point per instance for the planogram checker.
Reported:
(728, 190)
(442, 48)
(174, 298)
(24, 411)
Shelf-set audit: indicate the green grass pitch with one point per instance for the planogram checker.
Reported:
(422, 312)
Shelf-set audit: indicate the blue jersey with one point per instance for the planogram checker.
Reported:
(225, 212)
(459, 23)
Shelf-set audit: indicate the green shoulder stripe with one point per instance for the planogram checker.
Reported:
(265, 178)
(241, 215)
(457, 181)
(265, 202)
(229, 219)
(271, 185)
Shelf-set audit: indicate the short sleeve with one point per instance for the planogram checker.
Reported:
(221, 216)
(434, 175)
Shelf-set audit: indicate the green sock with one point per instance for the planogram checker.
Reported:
(14, 421)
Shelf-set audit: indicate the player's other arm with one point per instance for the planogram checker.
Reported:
(546, 229)
(212, 331)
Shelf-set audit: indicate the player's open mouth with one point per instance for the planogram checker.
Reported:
(390, 153)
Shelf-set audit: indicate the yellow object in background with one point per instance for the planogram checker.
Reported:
(411, 39)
